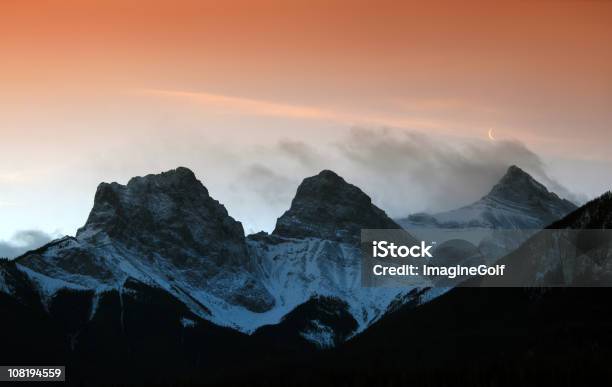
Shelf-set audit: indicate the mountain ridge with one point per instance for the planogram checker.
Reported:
(164, 230)
(516, 201)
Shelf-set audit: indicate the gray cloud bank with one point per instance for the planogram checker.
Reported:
(444, 173)
(23, 241)
(404, 172)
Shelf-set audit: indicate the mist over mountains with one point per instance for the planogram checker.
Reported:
(403, 171)
(23, 241)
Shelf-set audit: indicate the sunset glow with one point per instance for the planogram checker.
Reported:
(104, 90)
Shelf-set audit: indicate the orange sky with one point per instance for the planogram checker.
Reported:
(525, 60)
(81, 77)
(246, 46)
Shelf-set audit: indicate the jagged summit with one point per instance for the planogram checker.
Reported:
(172, 207)
(517, 201)
(179, 177)
(327, 185)
(514, 179)
(518, 186)
(326, 206)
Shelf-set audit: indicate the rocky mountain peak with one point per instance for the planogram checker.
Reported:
(326, 206)
(517, 181)
(179, 178)
(328, 186)
(517, 186)
(169, 209)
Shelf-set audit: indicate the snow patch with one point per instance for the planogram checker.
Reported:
(320, 334)
(188, 323)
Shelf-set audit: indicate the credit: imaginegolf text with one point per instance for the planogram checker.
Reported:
(385, 249)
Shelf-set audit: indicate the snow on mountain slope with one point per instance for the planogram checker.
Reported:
(296, 270)
(517, 201)
(5, 281)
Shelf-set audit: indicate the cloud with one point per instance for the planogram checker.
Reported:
(403, 171)
(244, 105)
(411, 171)
(22, 242)
(258, 195)
(305, 154)
(267, 184)
(279, 170)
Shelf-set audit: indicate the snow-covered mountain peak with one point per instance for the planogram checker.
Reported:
(517, 201)
(327, 207)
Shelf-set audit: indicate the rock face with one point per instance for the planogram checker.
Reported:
(517, 201)
(162, 212)
(326, 206)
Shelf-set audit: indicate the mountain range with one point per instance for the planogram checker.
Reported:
(162, 274)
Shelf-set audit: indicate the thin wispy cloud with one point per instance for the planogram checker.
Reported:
(443, 105)
(259, 107)
(243, 105)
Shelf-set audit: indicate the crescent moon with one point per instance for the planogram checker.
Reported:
(491, 137)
